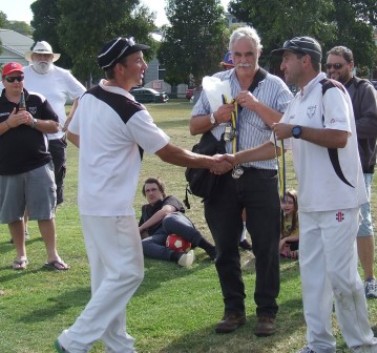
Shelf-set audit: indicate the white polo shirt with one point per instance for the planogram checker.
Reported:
(57, 85)
(328, 180)
(114, 130)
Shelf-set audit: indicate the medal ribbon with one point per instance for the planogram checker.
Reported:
(280, 161)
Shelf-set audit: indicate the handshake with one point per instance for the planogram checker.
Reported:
(222, 163)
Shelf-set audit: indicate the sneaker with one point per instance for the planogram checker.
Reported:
(187, 259)
(364, 349)
(306, 350)
(265, 326)
(230, 322)
(59, 348)
(371, 288)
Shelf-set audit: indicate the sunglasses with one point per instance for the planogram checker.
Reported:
(15, 78)
(336, 66)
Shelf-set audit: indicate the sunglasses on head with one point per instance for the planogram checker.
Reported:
(15, 78)
(336, 66)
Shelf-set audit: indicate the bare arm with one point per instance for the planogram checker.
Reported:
(73, 138)
(329, 138)
(178, 156)
(269, 116)
(157, 217)
(200, 124)
(259, 153)
(70, 114)
(23, 117)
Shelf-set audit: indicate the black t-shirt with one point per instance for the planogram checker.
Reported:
(147, 211)
(24, 148)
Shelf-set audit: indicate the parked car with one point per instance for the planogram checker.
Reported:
(149, 95)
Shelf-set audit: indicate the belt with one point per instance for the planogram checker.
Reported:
(259, 171)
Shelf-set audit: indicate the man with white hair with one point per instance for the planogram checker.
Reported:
(261, 99)
(58, 86)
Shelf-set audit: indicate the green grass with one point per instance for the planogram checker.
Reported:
(174, 310)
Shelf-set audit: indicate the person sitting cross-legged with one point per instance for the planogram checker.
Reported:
(164, 215)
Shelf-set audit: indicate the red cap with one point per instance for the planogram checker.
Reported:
(12, 67)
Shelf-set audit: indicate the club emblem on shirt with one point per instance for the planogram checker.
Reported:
(33, 110)
(339, 216)
(311, 111)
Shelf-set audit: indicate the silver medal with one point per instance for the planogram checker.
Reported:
(237, 172)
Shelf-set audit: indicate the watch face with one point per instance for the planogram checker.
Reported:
(296, 131)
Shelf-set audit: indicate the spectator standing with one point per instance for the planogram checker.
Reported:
(262, 98)
(58, 86)
(112, 131)
(330, 192)
(26, 170)
(164, 215)
(340, 67)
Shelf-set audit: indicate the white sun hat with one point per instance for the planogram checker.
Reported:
(42, 48)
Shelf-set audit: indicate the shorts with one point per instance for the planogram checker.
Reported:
(366, 223)
(34, 190)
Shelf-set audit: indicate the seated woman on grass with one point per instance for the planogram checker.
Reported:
(289, 234)
(164, 215)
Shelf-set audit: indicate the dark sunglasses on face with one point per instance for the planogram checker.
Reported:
(336, 66)
(15, 78)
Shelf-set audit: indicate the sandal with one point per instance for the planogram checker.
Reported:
(19, 264)
(56, 265)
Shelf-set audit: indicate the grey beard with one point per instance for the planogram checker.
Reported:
(42, 67)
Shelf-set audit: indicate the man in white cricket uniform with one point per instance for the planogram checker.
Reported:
(112, 130)
(331, 190)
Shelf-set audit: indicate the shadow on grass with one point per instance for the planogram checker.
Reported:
(7, 247)
(57, 305)
(158, 272)
(205, 340)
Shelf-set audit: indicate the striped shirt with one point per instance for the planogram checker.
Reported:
(252, 131)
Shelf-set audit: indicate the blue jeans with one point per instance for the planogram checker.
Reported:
(257, 192)
(174, 223)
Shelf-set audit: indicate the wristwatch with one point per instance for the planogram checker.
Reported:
(35, 122)
(296, 131)
(212, 119)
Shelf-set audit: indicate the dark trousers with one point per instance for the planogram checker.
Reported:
(174, 223)
(257, 192)
(57, 149)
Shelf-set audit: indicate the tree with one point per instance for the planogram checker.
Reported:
(332, 22)
(195, 42)
(46, 17)
(20, 27)
(83, 36)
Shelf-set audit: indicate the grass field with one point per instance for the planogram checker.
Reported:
(174, 310)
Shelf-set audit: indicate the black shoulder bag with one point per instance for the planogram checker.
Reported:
(202, 182)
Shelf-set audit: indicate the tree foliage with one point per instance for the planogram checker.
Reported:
(45, 22)
(195, 42)
(78, 29)
(20, 27)
(332, 22)
(17, 26)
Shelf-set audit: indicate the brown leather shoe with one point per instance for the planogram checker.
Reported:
(265, 326)
(230, 322)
